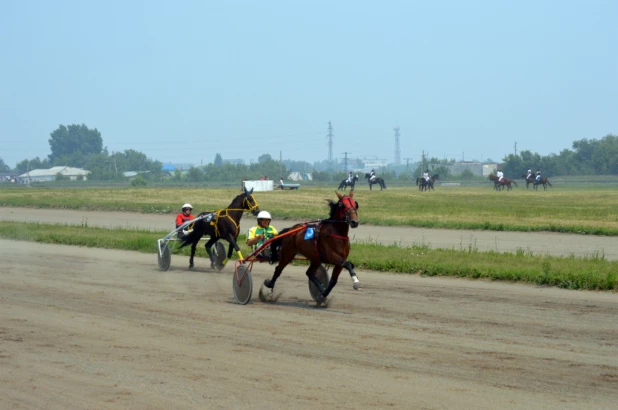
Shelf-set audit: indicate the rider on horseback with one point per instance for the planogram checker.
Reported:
(372, 176)
(426, 175)
(349, 180)
(529, 174)
(500, 176)
(538, 175)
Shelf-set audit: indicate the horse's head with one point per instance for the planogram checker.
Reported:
(249, 203)
(492, 177)
(367, 176)
(345, 209)
(435, 177)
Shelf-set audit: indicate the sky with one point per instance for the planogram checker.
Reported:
(183, 81)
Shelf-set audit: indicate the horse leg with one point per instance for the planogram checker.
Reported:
(285, 258)
(208, 245)
(233, 245)
(333, 280)
(193, 246)
(355, 282)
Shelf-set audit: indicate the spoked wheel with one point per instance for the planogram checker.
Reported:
(242, 284)
(219, 255)
(164, 257)
(322, 275)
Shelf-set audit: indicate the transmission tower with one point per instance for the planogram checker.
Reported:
(345, 160)
(397, 150)
(330, 145)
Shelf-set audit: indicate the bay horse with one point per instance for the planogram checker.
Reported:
(345, 184)
(222, 224)
(498, 185)
(330, 244)
(529, 180)
(542, 181)
(424, 185)
(376, 181)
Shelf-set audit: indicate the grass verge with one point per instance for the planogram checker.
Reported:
(589, 273)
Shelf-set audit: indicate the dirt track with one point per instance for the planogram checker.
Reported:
(99, 329)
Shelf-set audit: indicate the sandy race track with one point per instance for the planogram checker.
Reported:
(100, 329)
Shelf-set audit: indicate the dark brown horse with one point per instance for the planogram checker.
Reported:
(498, 185)
(222, 224)
(535, 184)
(424, 185)
(529, 179)
(345, 184)
(330, 244)
(377, 181)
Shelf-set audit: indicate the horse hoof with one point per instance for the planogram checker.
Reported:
(357, 286)
(191, 266)
(268, 284)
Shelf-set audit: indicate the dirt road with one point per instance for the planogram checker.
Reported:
(537, 242)
(99, 329)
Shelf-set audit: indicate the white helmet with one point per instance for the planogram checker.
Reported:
(187, 206)
(264, 215)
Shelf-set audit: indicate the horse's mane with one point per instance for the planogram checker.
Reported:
(333, 208)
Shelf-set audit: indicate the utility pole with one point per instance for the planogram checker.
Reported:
(281, 165)
(330, 145)
(345, 160)
(407, 162)
(397, 150)
(423, 162)
(515, 148)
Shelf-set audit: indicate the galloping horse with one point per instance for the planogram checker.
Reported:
(330, 244)
(498, 185)
(378, 181)
(423, 184)
(222, 224)
(345, 184)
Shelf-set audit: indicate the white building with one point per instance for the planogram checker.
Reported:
(43, 175)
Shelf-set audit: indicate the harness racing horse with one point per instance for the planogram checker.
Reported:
(222, 224)
(377, 181)
(330, 244)
(423, 184)
(345, 184)
(498, 185)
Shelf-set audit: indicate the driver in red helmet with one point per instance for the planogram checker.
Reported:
(182, 218)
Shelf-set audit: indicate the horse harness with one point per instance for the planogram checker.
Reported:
(225, 213)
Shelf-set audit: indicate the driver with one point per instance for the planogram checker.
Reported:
(262, 232)
(182, 218)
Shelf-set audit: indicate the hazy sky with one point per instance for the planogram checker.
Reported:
(182, 81)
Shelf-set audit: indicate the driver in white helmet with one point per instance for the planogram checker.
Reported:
(184, 217)
(262, 232)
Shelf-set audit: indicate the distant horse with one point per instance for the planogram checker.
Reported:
(529, 179)
(330, 244)
(542, 181)
(377, 181)
(345, 184)
(424, 185)
(498, 185)
(222, 224)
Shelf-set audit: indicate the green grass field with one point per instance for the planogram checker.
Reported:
(576, 209)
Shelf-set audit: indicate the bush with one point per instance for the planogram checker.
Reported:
(138, 181)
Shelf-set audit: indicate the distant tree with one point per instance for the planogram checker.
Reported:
(138, 181)
(131, 160)
(466, 174)
(3, 166)
(195, 174)
(218, 160)
(72, 142)
(29, 164)
(264, 158)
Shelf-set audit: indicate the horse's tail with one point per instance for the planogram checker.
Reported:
(417, 181)
(548, 183)
(383, 184)
(514, 182)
